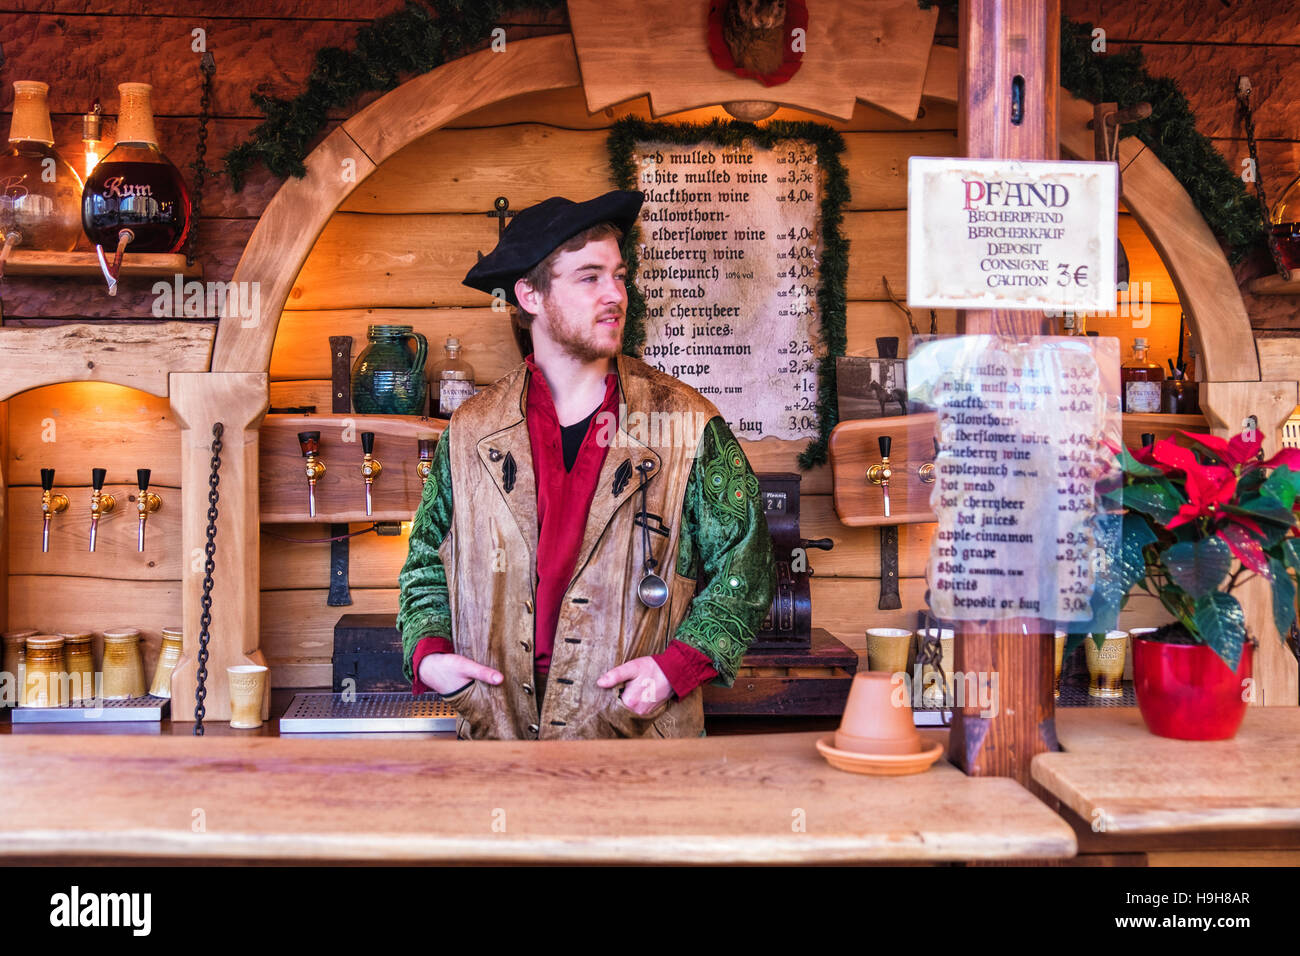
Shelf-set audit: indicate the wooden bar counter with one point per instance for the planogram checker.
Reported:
(1177, 802)
(762, 798)
(1112, 766)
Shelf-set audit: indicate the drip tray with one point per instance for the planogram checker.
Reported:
(95, 712)
(400, 712)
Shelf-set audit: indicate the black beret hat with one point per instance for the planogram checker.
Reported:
(536, 231)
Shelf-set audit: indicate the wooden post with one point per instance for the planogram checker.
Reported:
(238, 400)
(1000, 41)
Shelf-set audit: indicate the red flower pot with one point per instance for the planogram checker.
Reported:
(1185, 691)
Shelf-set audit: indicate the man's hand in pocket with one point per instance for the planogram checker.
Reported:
(647, 687)
(446, 673)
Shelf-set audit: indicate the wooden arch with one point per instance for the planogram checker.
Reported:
(295, 217)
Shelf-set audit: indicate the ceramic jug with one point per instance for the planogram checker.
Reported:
(386, 378)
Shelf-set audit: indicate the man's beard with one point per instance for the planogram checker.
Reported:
(578, 339)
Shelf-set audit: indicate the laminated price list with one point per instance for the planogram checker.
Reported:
(1023, 427)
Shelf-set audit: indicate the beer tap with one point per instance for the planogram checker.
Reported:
(425, 466)
(370, 466)
(926, 471)
(146, 503)
(51, 505)
(880, 473)
(100, 503)
(310, 444)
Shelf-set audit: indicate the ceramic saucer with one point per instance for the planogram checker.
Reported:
(881, 765)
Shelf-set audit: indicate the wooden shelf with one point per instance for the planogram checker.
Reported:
(36, 263)
(340, 492)
(853, 448)
(1274, 285)
(1162, 426)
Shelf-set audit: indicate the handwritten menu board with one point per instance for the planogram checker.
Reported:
(1023, 426)
(730, 263)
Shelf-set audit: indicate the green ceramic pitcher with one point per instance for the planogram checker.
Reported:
(386, 378)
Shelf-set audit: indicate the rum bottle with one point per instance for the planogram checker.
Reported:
(135, 196)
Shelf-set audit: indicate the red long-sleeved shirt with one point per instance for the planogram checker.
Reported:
(563, 502)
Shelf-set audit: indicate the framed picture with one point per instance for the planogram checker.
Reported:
(870, 387)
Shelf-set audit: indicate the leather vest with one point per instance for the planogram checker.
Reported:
(490, 555)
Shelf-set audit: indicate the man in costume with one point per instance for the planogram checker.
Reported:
(550, 587)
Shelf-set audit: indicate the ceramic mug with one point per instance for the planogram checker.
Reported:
(888, 648)
(79, 659)
(123, 668)
(169, 654)
(1106, 666)
(247, 690)
(15, 665)
(46, 678)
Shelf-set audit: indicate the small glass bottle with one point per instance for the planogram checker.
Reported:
(1140, 381)
(451, 382)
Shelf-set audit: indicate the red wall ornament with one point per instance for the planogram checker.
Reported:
(745, 47)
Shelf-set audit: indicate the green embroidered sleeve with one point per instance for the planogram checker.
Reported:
(724, 534)
(422, 607)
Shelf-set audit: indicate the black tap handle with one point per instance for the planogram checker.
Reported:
(142, 478)
(309, 442)
(47, 479)
(97, 478)
(822, 544)
(426, 446)
(936, 447)
(368, 442)
(885, 444)
(1148, 439)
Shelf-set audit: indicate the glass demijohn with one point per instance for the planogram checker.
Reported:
(40, 193)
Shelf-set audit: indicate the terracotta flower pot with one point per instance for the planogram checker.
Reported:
(875, 722)
(1186, 692)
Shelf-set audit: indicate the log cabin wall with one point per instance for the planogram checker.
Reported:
(84, 49)
(396, 250)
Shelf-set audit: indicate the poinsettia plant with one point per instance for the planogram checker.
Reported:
(1200, 521)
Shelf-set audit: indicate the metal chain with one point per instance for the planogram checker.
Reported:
(1243, 102)
(209, 566)
(929, 652)
(208, 67)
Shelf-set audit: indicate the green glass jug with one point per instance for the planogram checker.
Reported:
(386, 378)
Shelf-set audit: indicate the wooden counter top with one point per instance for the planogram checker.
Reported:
(1113, 770)
(735, 799)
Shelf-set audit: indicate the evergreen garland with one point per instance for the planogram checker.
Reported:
(1219, 194)
(831, 288)
(408, 42)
